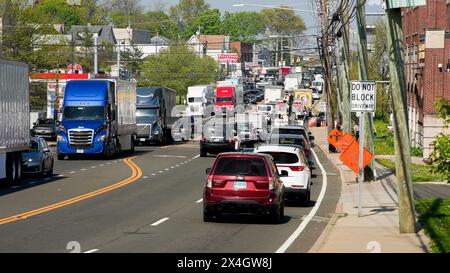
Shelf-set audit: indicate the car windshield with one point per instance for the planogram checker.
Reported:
(45, 121)
(283, 158)
(264, 108)
(317, 83)
(241, 166)
(84, 112)
(228, 99)
(287, 141)
(288, 131)
(34, 146)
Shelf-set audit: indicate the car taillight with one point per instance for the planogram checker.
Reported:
(209, 182)
(296, 168)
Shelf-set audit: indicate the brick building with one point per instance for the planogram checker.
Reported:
(427, 47)
(245, 51)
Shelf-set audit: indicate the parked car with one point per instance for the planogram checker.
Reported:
(45, 128)
(243, 183)
(39, 159)
(218, 138)
(293, 166)
(293, 139)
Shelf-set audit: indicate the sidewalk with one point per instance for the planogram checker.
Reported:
(378, 229)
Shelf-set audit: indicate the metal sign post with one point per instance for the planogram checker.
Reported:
(362, 99)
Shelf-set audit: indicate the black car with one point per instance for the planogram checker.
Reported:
(39, 159)
(45, 128)
(218, 138)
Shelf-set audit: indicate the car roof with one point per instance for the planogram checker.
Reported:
(242, 154)
(278, 148)
(300, 127)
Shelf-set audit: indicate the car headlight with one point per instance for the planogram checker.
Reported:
(101, 138)
(30, 160)
(61, 139)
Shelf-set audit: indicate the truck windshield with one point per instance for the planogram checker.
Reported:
(225, 99)
(195, 99)
(147, 113)
(84, 112)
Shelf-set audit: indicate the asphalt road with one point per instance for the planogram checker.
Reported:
(151, 203)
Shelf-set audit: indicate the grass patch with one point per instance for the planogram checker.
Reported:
(420, 173)
(435, 218)
(384, 146)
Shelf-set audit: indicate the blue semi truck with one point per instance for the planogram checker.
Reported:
(99, 117)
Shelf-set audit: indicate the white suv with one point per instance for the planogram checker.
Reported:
(293, 168)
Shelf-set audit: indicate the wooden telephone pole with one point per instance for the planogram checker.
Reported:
(407, 218)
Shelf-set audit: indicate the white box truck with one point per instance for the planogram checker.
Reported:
(292, 81)
(14, 119)
(198, 98)
(273, 93)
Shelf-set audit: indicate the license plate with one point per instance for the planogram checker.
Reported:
(142, 139)
(80, 151)
(239, 185)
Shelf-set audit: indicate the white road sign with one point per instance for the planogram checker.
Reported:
(363, 96)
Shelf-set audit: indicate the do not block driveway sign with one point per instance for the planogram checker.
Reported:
(363, 96)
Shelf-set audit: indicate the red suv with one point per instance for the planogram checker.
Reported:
(245, 183)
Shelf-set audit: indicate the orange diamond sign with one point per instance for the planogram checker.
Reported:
(350, 157)
(334, 136)
(344, 142)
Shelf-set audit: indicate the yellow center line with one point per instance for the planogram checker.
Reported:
(136, 174)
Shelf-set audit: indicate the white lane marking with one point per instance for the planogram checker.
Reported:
(145, 177)
(172, 167)
(93, 167)
(169, 156)
(159, 221)
(115, 161)
(72, 172)
(166, 169)
(195, 157)
(91, 251)
(83, 170)
(160, 171)
(102, 165)
(181, 163)
(61, 175)
(153, 173)
(311, 214)
(109, 163)
(199, 201)
(178, 165)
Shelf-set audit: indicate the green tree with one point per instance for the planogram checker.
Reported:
(132, 59)
(282, 21)
(209, 21)
(157, 22)
(185, 11)
(178, 67)
(58, 12)
(440, 156)
(243, 26)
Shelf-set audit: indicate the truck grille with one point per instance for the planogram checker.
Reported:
(81, 138)
(143, 130)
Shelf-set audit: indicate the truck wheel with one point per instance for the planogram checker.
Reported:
(18, 169)
(132, 146)
(60, 157)
(10, 169)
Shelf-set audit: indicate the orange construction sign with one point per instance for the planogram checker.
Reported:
(334, 136)
(350, 157)
(344, 142)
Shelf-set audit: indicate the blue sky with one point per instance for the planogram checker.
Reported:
(227, 5)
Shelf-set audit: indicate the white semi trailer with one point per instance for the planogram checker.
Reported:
(14, 119)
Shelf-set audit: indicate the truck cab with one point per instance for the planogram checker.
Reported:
(98, 118)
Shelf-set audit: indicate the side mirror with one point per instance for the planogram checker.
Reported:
(207, 171)
(284, 174)
(311, 138)
(46, 150)
(34, 123)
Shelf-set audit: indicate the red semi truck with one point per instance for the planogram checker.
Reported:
(228, 96)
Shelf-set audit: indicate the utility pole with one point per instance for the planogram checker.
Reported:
(326, 64)
(345, 80)
(407, 218)
(95, 54)
(364, 76)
